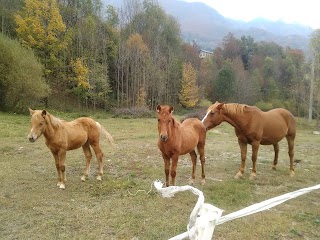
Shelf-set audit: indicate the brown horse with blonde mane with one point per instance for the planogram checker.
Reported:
(255, 127)
(177, 139)
(61, 136)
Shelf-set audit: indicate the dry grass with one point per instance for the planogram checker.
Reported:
(32, 207)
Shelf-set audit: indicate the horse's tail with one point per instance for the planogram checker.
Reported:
(106, 134)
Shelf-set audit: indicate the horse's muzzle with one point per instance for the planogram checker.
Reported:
(163, 138)
(32, 139)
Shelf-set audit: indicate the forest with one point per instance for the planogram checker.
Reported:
(80, 54)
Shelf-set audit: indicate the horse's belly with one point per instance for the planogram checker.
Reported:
(76, 143)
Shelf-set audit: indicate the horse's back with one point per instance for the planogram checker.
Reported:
(281, 114)
(83, 129)
(278, 123)
(193, 127)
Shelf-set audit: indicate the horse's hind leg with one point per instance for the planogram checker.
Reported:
(290, 140)
(276, 155)
(99, 154)
(193, 156)
(202, 160)
(88, 155)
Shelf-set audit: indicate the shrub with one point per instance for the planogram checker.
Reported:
(137, 112)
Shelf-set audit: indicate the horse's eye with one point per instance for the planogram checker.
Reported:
(158, 120)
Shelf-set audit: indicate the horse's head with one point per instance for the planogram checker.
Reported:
(38, 124)
(165, 121)
(214, 116)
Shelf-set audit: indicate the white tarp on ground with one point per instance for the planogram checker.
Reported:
(204, 217)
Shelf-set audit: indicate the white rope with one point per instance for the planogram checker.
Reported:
(197, 223)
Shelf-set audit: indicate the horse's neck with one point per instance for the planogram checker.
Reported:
(176, 128)
(235, 120)
(51, 127)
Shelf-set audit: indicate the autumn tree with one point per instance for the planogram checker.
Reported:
(189, 94)
(40, 27)
(137, 64)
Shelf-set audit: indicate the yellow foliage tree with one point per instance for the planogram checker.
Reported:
(141, 98)
(189, 94)
(81, 73)
(40, 27)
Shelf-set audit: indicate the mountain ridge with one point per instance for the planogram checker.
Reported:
(207, 27)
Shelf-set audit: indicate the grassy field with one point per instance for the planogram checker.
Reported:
(125, 206)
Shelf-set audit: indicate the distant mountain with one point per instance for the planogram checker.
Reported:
(204, 25)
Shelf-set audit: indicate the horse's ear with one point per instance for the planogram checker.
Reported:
(31, 111)
(158, 108)
(44, 113)
(220, 106)
(171, 109)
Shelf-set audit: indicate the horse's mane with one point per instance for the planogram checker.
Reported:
(55, 121)
(234, 108)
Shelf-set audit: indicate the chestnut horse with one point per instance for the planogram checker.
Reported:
(62, 136)
(255, 127)
(177, 138)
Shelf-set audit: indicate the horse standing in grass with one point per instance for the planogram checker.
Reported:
(62, 136)
(255, 127)
(177, 138)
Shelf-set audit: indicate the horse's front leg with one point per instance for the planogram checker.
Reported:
(276, 155)
(56, 159)
(193, 156)
(166, 161)
(255, 148)
(62, 158)
(243, 151)
(173, 171)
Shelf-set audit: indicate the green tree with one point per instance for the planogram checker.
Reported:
(269, 86)
(248, 49)
(225, 83)
(7, 11)
(189, 94)
(21, 77)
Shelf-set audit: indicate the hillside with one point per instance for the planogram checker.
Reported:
(207, 27)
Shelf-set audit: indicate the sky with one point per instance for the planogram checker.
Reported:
(305, 12)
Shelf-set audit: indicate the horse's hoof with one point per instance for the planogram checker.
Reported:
(99, 178)
(292, 174)
(238, 176)
(191, 182)
(83, 178)
(203, 181)
(274, 168)
(62, 186)
(252, 177)
(58, 184)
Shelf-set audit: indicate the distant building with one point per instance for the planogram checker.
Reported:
(204, 53)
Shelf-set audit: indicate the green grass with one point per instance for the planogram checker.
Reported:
(125, 206)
